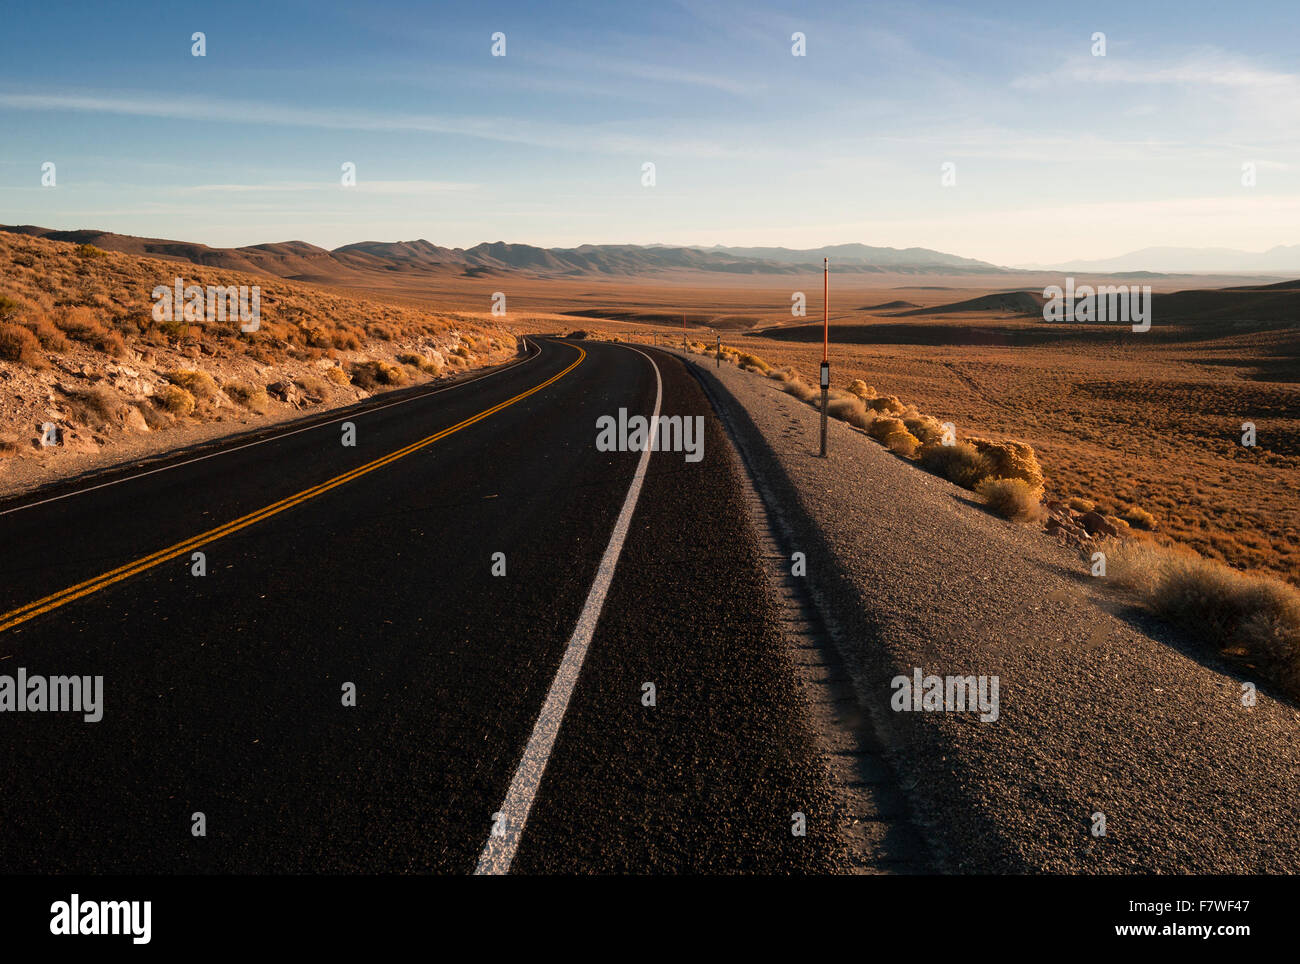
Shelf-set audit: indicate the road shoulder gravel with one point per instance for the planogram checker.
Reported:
(1102, 710)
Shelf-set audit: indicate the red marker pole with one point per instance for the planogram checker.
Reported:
(826, 342)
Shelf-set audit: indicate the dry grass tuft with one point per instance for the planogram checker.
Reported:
(1253, 617)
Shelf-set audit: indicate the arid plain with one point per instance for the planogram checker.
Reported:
(1131, 422)
(1121, 419)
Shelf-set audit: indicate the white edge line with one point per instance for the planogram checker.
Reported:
(263, 441)
(508, 828)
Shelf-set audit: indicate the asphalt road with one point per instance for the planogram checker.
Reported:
(372, 565)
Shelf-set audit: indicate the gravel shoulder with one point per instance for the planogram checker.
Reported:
(1102, 708)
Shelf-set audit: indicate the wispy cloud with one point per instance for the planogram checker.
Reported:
(605, 137)
(1205, 67)
(400, 188)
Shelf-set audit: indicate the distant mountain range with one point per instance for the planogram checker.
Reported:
(860, 255)
(1281, 260)
(301, 261)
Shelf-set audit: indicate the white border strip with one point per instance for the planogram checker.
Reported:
(273, 438)
(503, 841)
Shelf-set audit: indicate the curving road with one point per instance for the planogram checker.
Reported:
(373, 565)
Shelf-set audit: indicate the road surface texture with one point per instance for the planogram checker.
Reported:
(373, 565)
(1102, 710)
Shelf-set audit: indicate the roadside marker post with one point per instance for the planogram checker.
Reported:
(719, 364)
(826, 341)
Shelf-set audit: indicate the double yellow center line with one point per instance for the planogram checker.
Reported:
(64, 596)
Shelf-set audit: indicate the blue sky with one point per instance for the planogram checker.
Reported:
(1058, 153)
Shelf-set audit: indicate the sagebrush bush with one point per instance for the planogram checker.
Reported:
(420, 362)
(174, 400)
(1134, 565)
(886, 404)
(371, 374)
(903, 443)
(81, 324)
(98, 407)
(346, 341)
(883, 426)
(800, 389)
(338, 376)
(50, 337)
(1139, 518)
(925, 428)
(17, 344)
(961, 463)
(851, 410)
(1013, 499)
(252, 397)
(1010, 460)
(317, 338)
(311, 385)
(1252, 616)
(11, 309)
(198, 383)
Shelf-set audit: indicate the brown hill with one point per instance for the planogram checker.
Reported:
(370, 260)
(1013, 302)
